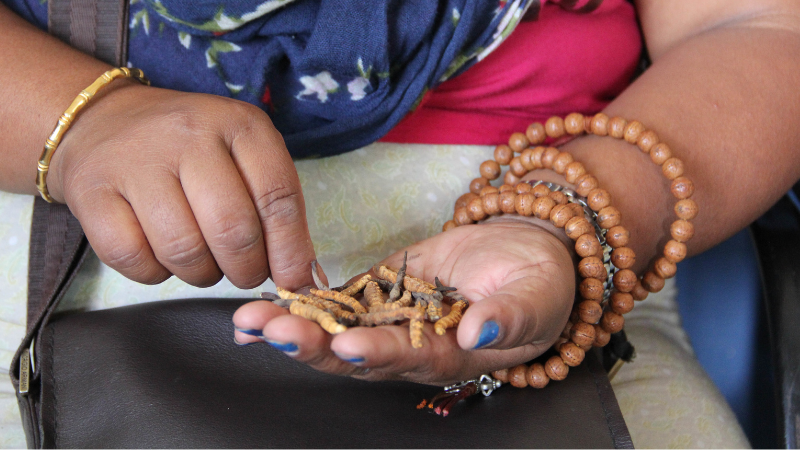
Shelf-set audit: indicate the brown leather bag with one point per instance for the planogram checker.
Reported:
(167, 374)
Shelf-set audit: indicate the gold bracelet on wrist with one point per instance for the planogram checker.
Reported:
(69, 115)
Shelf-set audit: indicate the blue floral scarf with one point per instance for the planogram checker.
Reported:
(334, 75)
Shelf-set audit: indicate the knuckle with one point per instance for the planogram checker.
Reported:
(132, 259)
(235, 236)
(280, 205)
(184, 251)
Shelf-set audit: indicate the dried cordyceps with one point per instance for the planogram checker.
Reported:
(392, 297)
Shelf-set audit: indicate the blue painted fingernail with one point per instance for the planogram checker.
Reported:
(284, 347)
(250, 331)
(350, 359)
(489, 333)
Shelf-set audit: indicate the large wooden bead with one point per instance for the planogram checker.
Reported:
(624, 280)
(560, 215)
(598, 199)
(602, 337)
(592, 267)
(523, 204)
(638, 292)
(510, 178)
(505, 187)
(616, 127)
(587, 245)
(660, 153)
(461, 217)
(647, 140)
(535, 133)
(571, 354)
(536, 157)
(536, 376)
(585, 184)
(600, 124)
(549, 157)
(573, 171)
(491, 203)
(518, 142)
(488, 190)
(490, 170)
(681, 230)
(582, 334)
(525, 159)
(632, 131)
(577, 209)
(577, 227)
(621, 302)
(565, 333)
(591, 289)
(608, 217)
(664, 268)
(475, 210)
(686, 209)
(652, 282)
(554, 127)
(503, 154)
(464, 200)
(682, 188)
(501, 375)
(573, 123)
(674, 251)
(542, 207)
(612, 322)
(589, 311)
(559, 197)
(508, 200)
(561, 162)
(556, 369)
(623, 257)
(449, 225)
(516, 167)
(672, 168)
(541, 191)
(618, 236)
(476, 185)
(522, 188)
(516, 376)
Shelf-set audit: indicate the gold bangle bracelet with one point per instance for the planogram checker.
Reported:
(69, 115)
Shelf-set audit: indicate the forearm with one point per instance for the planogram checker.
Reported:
(726, 102)
(41, 75)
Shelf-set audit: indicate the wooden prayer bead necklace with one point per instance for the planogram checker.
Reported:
(594, 318)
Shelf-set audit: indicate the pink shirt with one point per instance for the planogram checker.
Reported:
(561, 63)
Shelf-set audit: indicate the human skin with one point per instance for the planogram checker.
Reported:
(722, 91)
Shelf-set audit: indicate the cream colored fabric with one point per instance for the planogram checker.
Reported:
(361, 207)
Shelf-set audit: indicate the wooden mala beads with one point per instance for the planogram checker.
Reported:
(608, 288)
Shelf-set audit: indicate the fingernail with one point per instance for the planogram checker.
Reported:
(489, 333)
(350, 359)
(288, 347)
(251, 332)
(241, 344)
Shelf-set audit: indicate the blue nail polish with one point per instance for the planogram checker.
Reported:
(350, 359)
(250, 331)
(284, 347)
(489, 333)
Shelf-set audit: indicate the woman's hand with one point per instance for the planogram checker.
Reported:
(521, 284)
(194, 185)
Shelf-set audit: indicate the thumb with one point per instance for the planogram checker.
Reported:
(529, 310)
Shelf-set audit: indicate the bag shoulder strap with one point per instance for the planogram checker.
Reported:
(57, 244)
(95, 27)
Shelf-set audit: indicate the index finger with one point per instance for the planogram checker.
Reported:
(270, 177)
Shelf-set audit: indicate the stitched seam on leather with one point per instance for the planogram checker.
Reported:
(55, 388)
(606, 413)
